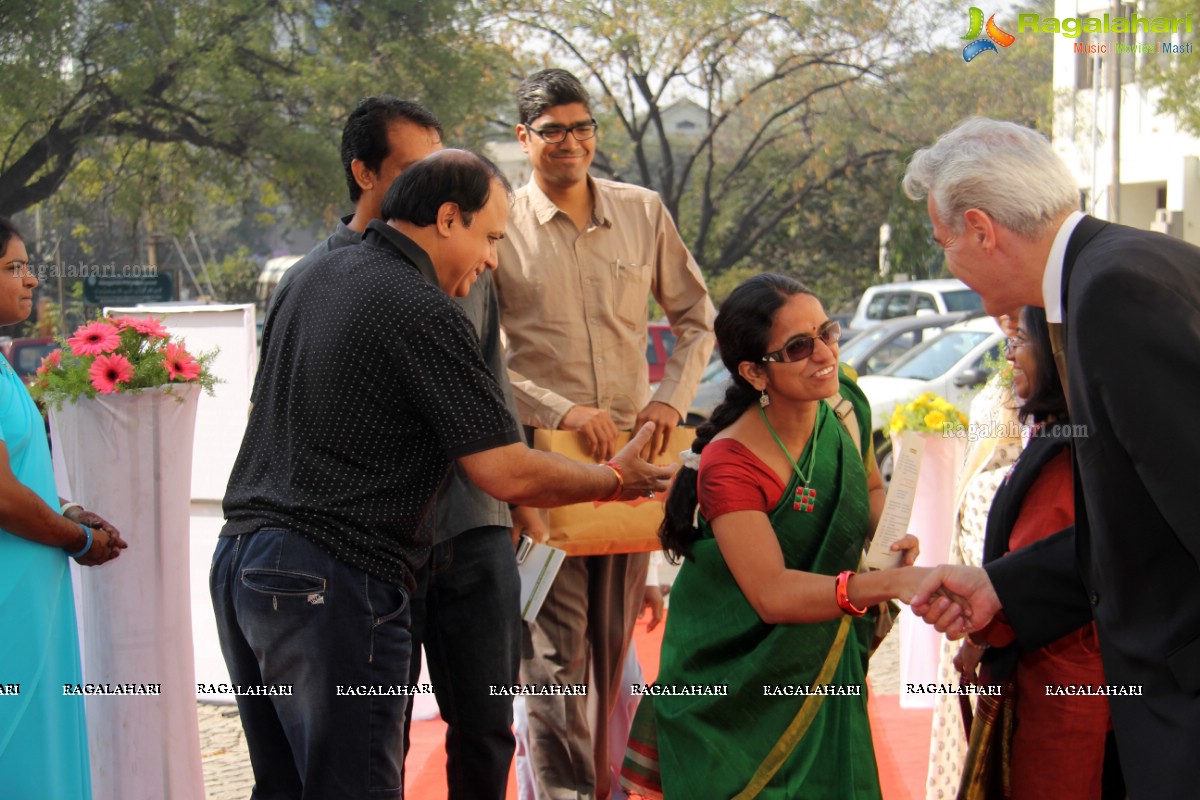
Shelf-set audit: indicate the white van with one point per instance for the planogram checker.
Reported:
(268, 279)
(906, 298)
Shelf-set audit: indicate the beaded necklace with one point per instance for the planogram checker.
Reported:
(806, 498)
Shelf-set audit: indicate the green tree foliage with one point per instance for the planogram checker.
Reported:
(1178, 78)
(813, 109)
(771, 77)
(132, 126)
(235, 277)
(929, 94)
(233, 90)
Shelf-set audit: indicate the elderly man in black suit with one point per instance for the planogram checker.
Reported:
(1005, 210)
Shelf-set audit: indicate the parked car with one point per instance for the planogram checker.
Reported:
(875, 348)
(709, 393)
(26, 355)
(904, 299)
(953, 365)
(660, 343)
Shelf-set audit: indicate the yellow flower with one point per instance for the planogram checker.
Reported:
(934, 420)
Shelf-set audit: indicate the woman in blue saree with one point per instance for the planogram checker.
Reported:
(43, 742)
(767, 602)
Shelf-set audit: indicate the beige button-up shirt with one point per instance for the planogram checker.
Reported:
(574, 305)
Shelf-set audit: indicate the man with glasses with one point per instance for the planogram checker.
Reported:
(581, 258)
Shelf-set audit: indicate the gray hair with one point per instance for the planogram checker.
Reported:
(1005, 169)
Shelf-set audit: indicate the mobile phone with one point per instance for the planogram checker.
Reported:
(524, 545)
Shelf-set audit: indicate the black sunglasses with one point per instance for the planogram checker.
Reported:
(553, 134)
(801, 346)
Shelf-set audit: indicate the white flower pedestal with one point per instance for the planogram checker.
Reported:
(128, 457)
(932, 522)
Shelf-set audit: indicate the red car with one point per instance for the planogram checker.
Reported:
(26, 355)
(660, 343)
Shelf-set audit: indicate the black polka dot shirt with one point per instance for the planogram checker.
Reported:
(359, 410)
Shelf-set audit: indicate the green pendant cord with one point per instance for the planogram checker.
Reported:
(812, 453)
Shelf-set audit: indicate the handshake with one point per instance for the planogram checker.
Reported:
(956, 599)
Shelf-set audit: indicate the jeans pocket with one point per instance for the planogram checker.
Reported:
(282, 582)
(387, 602)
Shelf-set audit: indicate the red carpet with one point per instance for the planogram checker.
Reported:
(901, 741)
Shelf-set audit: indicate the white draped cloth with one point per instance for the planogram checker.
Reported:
(931, 522)
(129, 459)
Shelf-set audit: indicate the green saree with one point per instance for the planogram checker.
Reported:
(760, 741)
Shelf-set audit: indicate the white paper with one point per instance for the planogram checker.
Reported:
(537, 569)
(897, 509)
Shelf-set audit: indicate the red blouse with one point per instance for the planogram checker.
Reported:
(732, 478)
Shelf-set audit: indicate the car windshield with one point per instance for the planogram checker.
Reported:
(938, 356)
(861, 343)
(962, 300)
(29, 357)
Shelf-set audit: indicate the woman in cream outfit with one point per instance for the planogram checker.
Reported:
(993, 445)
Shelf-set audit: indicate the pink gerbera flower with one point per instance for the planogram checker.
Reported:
(180, 364)
(50, 362)
(144, 325)
(107, 371)
(94, 339)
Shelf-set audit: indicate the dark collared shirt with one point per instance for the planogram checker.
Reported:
(342, 236)
(371, 382)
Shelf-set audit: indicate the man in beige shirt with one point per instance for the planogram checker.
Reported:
(579, 262)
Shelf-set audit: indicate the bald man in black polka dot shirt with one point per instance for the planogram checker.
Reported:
(357, 415)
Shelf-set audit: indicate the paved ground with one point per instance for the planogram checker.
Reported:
(223, 753)
(227, 764)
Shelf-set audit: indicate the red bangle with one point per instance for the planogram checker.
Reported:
(616, 468)
(841, 591)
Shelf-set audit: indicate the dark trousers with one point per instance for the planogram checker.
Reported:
(290, 615)
(466, 612)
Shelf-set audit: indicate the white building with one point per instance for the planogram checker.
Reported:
(1159, 165)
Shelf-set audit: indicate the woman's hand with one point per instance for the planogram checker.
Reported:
(903, 582)
(911, 546)
(967, 661)
(107, 543)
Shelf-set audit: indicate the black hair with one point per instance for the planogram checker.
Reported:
(447, 176)
(1047, 398)
(365, 136)
(545, 90)
(743, 329)
(8, 232)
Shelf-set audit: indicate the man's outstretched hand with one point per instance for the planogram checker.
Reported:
(956, 599)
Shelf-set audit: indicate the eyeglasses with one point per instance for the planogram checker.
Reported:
(1013, 342)
(801, 347)
(553, 134)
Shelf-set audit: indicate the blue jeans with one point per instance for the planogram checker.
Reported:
(466, 611)
(290, 614)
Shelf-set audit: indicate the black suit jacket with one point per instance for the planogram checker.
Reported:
(1132, 561)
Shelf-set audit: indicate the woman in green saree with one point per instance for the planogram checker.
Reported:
(772, 526)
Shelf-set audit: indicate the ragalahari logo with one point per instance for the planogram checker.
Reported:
(994, 37)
